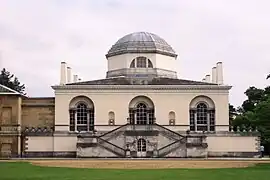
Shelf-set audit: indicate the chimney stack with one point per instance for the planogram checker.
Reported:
(63, 76)
(207, 78)
(69, 80)
(219, 73)
(75, 78)
(214, 75)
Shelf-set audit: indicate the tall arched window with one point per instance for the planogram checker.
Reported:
(202, 115)
(141, 62)
(81, 114)
(82, 117)
(141, 111)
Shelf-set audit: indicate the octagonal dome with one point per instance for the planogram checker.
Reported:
(141, 42)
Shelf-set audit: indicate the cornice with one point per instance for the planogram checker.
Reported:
(141, 87)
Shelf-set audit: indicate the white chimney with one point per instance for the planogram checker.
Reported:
(214, 75)
(63, 76)
(203, 80)
(75, 78)
(219, 73)
(69, 75)
(207, 78)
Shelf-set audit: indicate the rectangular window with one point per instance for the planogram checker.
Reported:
(131, 116)
(72, 120)
(212, 120)
(141, 62)
(151, 116)
(91, 120)
(192, 120)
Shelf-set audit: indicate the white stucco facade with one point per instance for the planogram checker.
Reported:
(165, 101)
(159, 61)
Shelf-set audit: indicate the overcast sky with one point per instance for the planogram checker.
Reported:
(36, 35)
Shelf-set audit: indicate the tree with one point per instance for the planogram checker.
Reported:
(254, 96)
(262, 112)
(255, 112)
(9, 80)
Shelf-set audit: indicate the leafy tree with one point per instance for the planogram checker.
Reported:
(9, 80)
(255, 96)
(263, 121)
(232, 114)
(255, 112)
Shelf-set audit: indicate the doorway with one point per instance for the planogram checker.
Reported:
(141, 147)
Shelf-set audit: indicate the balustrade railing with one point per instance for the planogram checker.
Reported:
(112, 147)
(167, 132)
(170, 147)
(9, 128)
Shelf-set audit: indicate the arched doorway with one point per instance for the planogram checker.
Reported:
(141, 147)
(141, 111)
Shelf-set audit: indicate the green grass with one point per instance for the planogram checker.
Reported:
(25, 171)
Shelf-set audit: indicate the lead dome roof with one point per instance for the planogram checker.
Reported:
(141, 42)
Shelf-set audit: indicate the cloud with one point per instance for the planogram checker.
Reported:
(35, 36)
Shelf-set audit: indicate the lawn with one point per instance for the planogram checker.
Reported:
(26, 171)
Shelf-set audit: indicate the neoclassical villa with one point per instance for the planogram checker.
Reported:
(141, 109)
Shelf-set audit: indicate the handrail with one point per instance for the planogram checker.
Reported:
(116, 149)
(163, 150)
(173, 132)
(113, 130)
(170, 144)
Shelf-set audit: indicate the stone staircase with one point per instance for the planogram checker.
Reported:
(121, 142)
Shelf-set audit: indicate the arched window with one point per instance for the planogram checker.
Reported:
(111, 118)
(82, 117)
(172, 118)
(81, 114)
(141, 62)
(141, 111)
(202, 115)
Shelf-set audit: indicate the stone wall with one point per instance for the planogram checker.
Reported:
(10, 117)
(10, 108)
(8, 146)
(37, 112)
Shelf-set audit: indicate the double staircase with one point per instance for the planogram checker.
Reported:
(107, 140)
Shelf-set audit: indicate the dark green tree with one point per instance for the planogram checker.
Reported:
(262, 112)
(255, 112)
(9, 80)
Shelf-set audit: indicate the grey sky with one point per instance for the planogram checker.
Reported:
(36, 35)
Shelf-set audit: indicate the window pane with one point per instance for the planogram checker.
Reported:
(132, 65)
(141, 62)
(150, 65)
